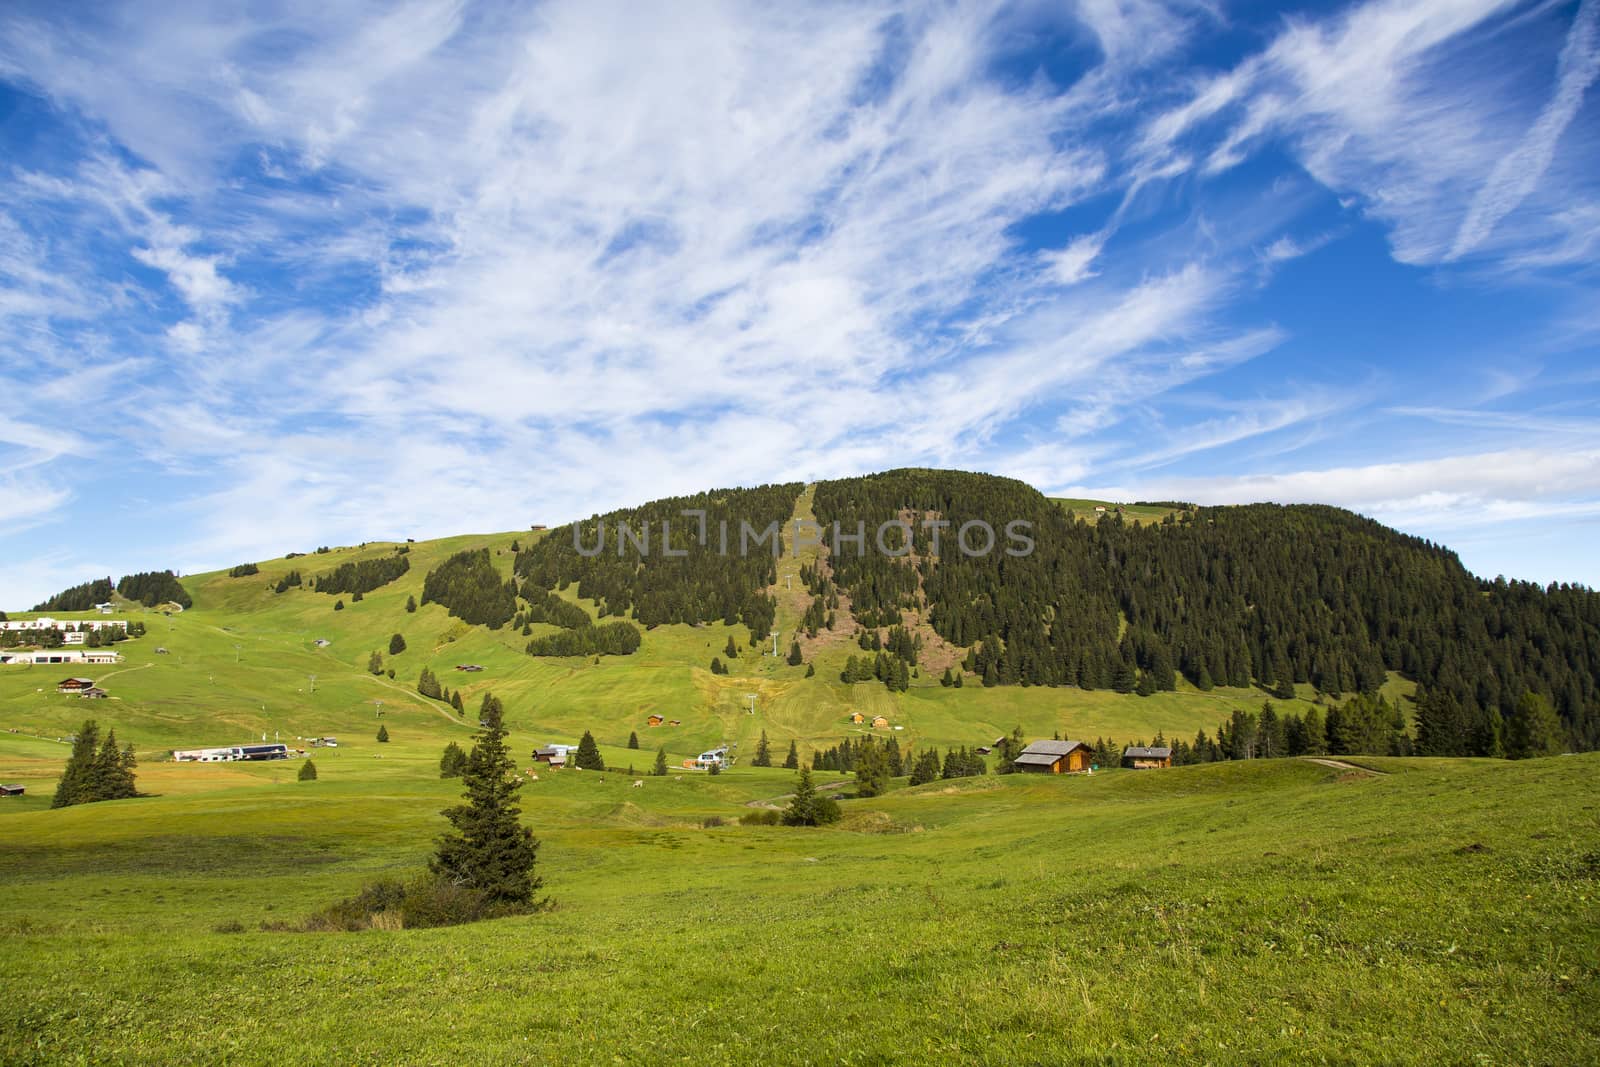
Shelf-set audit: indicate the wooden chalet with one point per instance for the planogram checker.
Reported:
(880, 723)
(857, 717)
(1146, 759)
(654, 720)
(75, 685)
(12, 790)
(1054, 757)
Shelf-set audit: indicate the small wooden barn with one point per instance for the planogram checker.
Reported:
(1055, 757)
(75, 685)
(654, 720)
(1146, 759)
(880, 723)
(12, 790)
(857, 718)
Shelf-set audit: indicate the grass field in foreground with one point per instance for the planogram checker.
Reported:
(1439, 911)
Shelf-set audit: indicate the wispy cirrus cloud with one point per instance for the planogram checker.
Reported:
(331, 271)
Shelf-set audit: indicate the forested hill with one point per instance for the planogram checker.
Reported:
(1259, 594)
(1262, 594)
(717, 578)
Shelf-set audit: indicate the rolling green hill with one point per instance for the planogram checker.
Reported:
(1362, 908)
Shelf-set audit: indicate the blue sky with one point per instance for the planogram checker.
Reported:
(281, 275)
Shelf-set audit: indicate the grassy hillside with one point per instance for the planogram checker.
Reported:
(1279, 910)
(1134, 513)
(241, 664)
(1232, 912)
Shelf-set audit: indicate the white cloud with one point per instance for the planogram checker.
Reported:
(1518, 173)
(435, 266)
(1377, 102)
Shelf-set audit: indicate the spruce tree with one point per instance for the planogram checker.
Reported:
(802, 809)
(308, 772)
(660, 769)
(926, 768)
(487, 848)
(732, 650)
(108, 778)
(795, 658)
(397, 644)
(811, 670)
(763, 757)
(633, 739)
(453, 762)
(375, 663)
(891, 752)
(792, 760)
(338, 605)
(383, 733)
(411, 604)
(1534, 729)
(588, 757)
(872, 770)
(456, 703)
(74, 786)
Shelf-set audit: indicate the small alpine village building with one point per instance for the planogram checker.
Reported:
(64, 625)
(26, 657)
(75, 685)
(232, 754)
(716, 757)
(555, 756)
(1146, 759)
(12, 790)
(1054, 757)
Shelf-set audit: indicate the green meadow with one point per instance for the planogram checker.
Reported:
(1400, 911)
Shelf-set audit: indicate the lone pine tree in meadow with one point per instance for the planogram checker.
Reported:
(795, 658)
(763, 756)
(732, 651)
(411, 604)
(792, 760)
(633, 739)
(375, 663)
(308, 772)
(397, 645)
(588, 757)
(383, 733)
(96, 770)
(487, 848)
(802, 809)
(660, 769)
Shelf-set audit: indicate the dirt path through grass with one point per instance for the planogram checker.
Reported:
(1343, 766)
